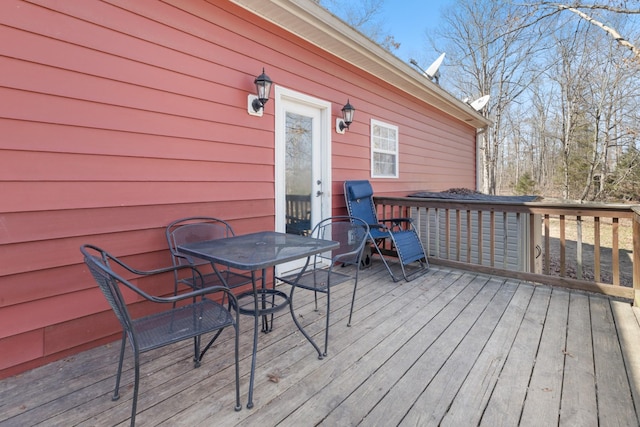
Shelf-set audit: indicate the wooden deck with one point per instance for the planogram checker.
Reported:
(451, 348)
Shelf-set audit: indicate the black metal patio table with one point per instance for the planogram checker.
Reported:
(256, 252)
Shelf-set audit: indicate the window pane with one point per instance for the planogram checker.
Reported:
(384, 164)
(384, 150)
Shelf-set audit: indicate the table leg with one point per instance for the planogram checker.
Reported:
(265, 319)
(255, 342)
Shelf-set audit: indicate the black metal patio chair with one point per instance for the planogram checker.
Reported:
(405, 242)
(321, 273)
(197, 229)
(195, 314)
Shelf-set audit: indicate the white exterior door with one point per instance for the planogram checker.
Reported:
(302, 163)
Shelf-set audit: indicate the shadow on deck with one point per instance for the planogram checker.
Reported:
(450, 348)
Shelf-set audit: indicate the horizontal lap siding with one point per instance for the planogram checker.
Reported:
(108, 137)
(119, 116)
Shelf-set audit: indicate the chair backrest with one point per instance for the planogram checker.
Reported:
(352, 233)
(98, 262)
(359, 198)
(194, 229)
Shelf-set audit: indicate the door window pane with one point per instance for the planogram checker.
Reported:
(298, 173)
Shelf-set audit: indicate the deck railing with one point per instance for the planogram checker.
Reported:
(594, 247)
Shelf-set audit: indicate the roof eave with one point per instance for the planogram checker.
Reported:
(318, 26)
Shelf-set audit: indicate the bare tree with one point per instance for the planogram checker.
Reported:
(618, 7)
(590, 107)
(570, 76)
(545, 159)
(596, 82)
(365, 16)
(604, 98)
(489, 53)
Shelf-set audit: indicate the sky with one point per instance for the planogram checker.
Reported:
(408, 21)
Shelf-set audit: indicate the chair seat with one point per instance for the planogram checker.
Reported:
(232, 280)
(317, 279)
(175, 325)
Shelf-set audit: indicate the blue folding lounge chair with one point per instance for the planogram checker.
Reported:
(405, 241)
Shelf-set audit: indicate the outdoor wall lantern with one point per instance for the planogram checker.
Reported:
(347, 118)
(255, 103)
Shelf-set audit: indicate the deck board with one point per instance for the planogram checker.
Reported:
(356, 359)
(615, 405)
(578, 402)
(629, 337)
(436, 398)
(438, 348)
(507, 399)
(450, 348)
(473, 395)
(408, 345)
(542, 404)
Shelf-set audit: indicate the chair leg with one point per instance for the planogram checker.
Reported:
(116, 390)
(386, 264)
(215, 337)
(353, 298)
(253, 360)
(326, 330)
(134, 404)
(300, 328)
(424, 267)
(196, 352)
(237, 347)
(197, 356)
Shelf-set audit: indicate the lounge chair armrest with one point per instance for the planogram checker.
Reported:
(397, 220)
(399, 223)
(377, 227)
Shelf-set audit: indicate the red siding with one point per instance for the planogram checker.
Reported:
(118, 117)
(18, 348)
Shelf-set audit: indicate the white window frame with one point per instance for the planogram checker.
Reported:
(375, 151)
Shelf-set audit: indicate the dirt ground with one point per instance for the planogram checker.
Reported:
(625, 246)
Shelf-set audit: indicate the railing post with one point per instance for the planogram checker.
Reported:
(532, 243)
(636, 257)
(579, 247)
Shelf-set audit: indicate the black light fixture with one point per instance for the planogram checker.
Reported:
(347, 118)
(263, 88)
